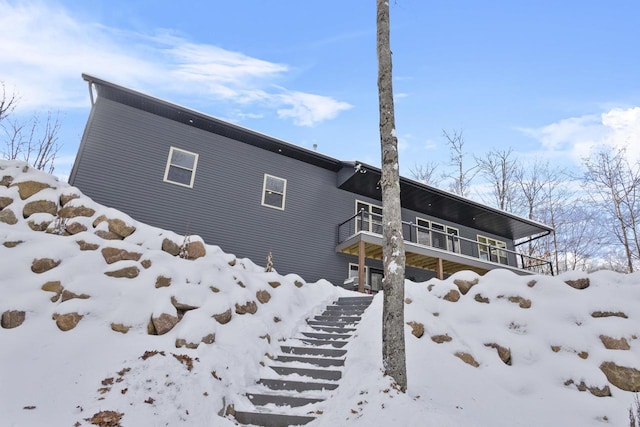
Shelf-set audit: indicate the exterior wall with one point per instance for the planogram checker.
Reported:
(121, 164)
(123, 158)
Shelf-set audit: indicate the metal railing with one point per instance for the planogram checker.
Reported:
(366, 221)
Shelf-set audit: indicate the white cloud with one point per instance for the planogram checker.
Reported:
(307, 109)
(577, 137)
(45, 49)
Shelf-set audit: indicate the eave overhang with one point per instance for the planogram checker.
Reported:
(364, 179)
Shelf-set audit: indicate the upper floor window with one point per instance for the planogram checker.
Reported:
(274, 190)
(491, 250)
(370, 218)
(181, 167)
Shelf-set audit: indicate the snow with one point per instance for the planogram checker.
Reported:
(51, 377)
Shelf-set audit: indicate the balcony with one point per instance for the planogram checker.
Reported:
(434, 250)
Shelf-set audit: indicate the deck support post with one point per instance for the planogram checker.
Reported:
(361, 271)
(440, 270)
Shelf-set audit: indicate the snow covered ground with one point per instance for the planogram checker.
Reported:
(552, 337)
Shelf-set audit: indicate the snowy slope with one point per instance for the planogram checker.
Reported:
(62, 378)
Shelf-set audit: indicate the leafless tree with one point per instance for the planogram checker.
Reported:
(613, 183)
(461, 177)
(426, 173)
(499, 168)
(393, 343)
(35, 141)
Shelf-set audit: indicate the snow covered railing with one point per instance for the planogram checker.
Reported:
(446, 239)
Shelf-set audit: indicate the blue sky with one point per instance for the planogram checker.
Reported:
(549, 79)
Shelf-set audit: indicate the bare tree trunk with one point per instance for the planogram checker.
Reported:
(393, 345)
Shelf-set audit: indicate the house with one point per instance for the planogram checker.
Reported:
(252, 194)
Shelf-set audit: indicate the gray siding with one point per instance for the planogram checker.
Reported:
(122, 161)
(124, 155)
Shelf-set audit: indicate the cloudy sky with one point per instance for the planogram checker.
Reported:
(546, 78)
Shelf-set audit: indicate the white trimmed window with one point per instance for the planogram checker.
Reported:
(353, 273)
(370, 219)
(274, 190)
(490, 250)
(181, 167)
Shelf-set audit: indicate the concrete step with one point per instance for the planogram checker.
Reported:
(336, 329)
(342, 313)
(325, 323)
(326, 336)
(345, 320)
(324, 352)
(354, 300)
(316, 342)
(296, 385)
(318, 374)
(260, 399)
(268, 419)
(316, 361)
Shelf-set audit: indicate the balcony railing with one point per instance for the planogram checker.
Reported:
(442, 240)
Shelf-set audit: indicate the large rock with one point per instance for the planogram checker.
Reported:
(55, 287)
(44, 264)
(112, 255)
(441, 338)
(38, 226)
(625, 378)
(181, 306)
(522, 302)
(263, 296)
(163, 282)
(120, 228)
(75, 211)
(249, 307)
(452, 296)
(68, 321)
(107, 235)
(119, 327)
(164, 323)
(5, 201)
(465, 285)
(614, 344)
(467, 358)
(417, 329)
(171, 247)
(8, 217)
(12, 319)
(603, 391)
(579, 283)
(85, 246)
(29, 188)
(6, 180)
(67, 197)
(39, 206)
(223, 318)
(67, 295)
(503, 352)
(195, 250)
(126, 272)
(75, 228)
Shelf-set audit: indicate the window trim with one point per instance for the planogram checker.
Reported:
(489, 250)
(423, 230)
(169, 164)
(283, 194)
(366, 272)
(370, 220)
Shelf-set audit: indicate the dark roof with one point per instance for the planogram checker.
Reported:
(415, 196)
(364, 179)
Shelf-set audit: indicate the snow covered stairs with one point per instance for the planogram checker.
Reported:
(306, 370)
